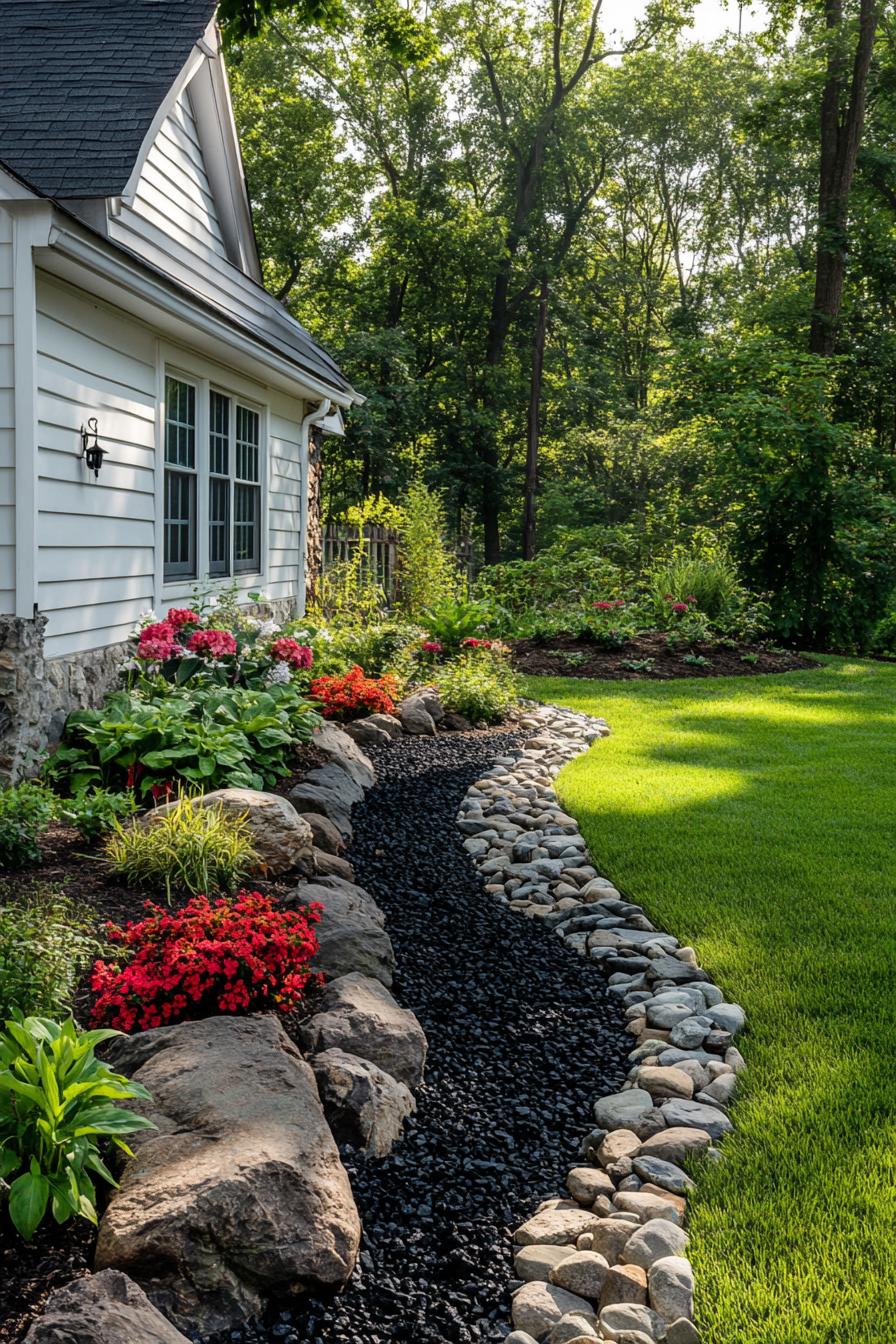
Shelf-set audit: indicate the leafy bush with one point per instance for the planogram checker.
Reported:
(704, 576)
(428, 573)
(480, 685)
(522, 591)
(94, 811)
(453, 620)
(240, 955)
(25, 813)
(57, 1101)
(185, 847)
(46, 945)
(353, 695)
(377, 648)
(884, 638)
(210, 736)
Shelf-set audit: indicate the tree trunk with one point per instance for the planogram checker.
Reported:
(314, 536)
(841, 135)
(534, 422)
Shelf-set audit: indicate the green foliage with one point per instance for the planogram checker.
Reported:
(211, 737)
(479, 685)
(884, 638)
(564, 576)
(25, 812)
(46, 944)
(95, 810)
(428, 573)
(57, 1105)
(453, 620)
(183, 849)
(707, 573)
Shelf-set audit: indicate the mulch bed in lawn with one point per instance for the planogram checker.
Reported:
(649, 658)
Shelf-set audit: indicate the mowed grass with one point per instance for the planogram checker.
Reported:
(755, 818)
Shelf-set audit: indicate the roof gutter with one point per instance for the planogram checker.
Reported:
(155, 298)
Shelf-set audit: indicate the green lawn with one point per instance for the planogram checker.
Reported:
(755, 818)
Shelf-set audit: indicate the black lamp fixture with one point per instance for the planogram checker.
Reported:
(92, 453)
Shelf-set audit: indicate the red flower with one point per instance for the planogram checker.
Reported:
(691, 599)
(157, 642)
(178, 616)
(354, 694)
(228, 956)
(668, 598)
(212, 643)
(680, 606)
(431, 646)
(604, 606)
(290, 651)
(620, 601)
(473, 643)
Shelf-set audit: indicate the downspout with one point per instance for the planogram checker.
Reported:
(315, 417)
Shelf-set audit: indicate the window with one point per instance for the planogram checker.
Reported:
(180, 479)
(228, 509)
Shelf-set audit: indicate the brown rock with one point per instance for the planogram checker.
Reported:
(104, 1308)
(331, 865)
(359, 1015)
(624, 1283)
(326, 836)
(281, 838)
(241, 1192)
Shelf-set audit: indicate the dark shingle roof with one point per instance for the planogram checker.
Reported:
(80, 82)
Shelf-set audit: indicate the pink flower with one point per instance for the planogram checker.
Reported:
(157, 642)
(679, 606)
(179, 616)
(604, 606)
(431, 646)
(691, 599)
(620, 601)
(290, 651)
(212, 643)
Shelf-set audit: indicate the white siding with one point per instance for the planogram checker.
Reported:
(96, 556)
(173, 194)
(7, 422)
(97, 561)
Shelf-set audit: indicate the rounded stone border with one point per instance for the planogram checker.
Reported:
(607, 1262)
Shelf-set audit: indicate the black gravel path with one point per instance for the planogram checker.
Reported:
(522, 1038)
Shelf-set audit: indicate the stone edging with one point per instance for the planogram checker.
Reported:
(608, 1261)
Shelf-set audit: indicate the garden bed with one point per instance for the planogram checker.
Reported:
(648, 657)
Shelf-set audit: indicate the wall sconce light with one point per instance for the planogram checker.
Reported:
(92, 453)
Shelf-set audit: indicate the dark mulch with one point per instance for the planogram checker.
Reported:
(29, 1273)
(649, 658)
(522, 1038)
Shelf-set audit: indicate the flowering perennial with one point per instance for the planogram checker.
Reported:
(157, 642)
(432, 646)
(354, 694)
(238, 955)
(212, 643)
(290, 651)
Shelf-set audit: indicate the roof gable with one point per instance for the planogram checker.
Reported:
(81, 82)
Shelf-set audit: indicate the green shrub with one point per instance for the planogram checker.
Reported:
(93, 812)
(57, 1102)
(377, 648)
(453, 620)
(884, 638)
(705, 572)
(479, 685)
(556, 580)
(428, 573)
(25, 812)
(184, 848)
(46, 944)
(212, 737)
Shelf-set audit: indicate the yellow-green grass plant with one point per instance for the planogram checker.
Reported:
(184, 848)
(755, 818)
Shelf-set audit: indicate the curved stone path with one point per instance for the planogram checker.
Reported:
(522, 1038)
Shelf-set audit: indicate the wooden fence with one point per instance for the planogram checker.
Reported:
(381, 543)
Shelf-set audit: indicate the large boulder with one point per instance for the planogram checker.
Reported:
(415, 718)
(327, 836)
(104, 1308)
(368, 734)
(337, 894)
(350, 940)
(364, 1106)
(328, 790)
(282, 839)
(240, 1193)
(358, 1015)
(343, 751)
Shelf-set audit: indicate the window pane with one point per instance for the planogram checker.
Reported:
(248, 434)
(180, 524)
(246, 528)
(219, 526)
(219, 434)
(180, 423)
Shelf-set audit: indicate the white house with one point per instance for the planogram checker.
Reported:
(133, 319)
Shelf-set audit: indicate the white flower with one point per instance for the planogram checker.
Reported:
(214, 600)
(145, 618)
(251, 623)
(325, 636)
(279, 675)
(267, 628)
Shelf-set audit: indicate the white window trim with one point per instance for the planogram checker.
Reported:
(206, 377)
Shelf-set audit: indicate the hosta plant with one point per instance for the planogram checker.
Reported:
(57, 1106)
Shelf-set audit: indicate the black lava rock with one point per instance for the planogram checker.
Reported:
(522, 1038)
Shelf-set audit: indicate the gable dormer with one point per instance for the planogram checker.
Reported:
(173, 191)
(186, 194)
